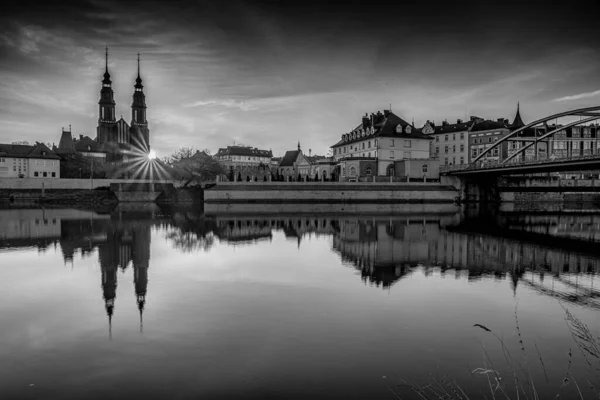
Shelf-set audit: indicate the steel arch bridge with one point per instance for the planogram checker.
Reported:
(505, 167)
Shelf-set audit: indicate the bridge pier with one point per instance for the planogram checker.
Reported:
(483, 189)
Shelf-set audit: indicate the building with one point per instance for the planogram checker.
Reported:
(483, 135)
(246, 162)
(85, 146)
(374, 146)
(451, 141)
(28, 161)
(116, 139)
(294, 164)
(324, 168)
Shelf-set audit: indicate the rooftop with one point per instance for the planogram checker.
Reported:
(39, 150)
(386, 124)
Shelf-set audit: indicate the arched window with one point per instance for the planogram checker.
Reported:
(390, 170)
(424, 168)
(352, 171)
(368, 170)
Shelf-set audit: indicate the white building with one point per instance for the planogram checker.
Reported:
(383, 138)
(28, 161)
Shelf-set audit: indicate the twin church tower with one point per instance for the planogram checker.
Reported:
(117, 138)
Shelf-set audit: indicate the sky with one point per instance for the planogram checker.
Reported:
(270, 74)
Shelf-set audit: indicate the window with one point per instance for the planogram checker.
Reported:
(437, 150)
(462, 160)
(446, 138)
(462, 135)
(368, 170)
(45, 174)
(424, 168)
(369, 144)
(454, 136)
(437, 138)
(454, 148)
(363, 145)
(462, 147)
(407, 143)
(446, 149)
(375, 142)
(390, 170)
(352, 171)
(392, 142)
(35, 173)
(407, 154)
(369, 154)
(54, 174)
(453, 160)
(446, 160)
(392, 154)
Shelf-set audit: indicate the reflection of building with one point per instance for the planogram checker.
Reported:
(126, 243)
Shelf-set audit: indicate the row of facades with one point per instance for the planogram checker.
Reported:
(385, 146)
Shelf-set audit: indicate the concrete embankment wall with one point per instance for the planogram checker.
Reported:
(72, 184)
(326, 192)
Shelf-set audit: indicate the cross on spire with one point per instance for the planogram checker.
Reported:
(138, 65)
(106, 59)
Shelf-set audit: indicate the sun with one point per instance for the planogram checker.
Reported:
(152, 155)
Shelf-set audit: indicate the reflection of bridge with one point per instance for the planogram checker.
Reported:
(566, 148)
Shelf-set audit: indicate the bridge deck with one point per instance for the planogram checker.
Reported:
(529, 167)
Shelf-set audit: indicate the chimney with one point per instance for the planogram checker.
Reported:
(365, 122)
(501, 120)
(386, 113)
(80, 137)
(459, 121)
(309, 152)
(445, 123)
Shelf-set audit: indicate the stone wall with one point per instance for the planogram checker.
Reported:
(277, 192)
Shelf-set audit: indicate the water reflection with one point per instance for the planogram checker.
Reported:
(435, 262)
(383, 249)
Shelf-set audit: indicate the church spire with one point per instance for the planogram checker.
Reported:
(106, 81)
(138, 82)
(298, 145)
(518, 121)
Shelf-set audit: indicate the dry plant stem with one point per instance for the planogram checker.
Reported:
(541, 361)
(565, 380)
(532, 385)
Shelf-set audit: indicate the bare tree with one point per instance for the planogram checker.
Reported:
(192, 165)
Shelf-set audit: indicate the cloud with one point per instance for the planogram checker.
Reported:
(263, 105)
(579, 96)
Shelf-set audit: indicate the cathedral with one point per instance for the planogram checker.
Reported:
(118, 139)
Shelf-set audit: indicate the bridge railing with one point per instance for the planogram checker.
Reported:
(497, 164)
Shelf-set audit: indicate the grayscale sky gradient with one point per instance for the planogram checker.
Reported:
(270, 74)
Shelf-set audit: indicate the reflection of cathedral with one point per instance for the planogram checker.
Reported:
(126, 243)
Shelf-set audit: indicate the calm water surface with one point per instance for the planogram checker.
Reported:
(293, 303)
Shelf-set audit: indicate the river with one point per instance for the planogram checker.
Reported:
(298, 302)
